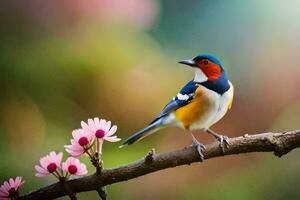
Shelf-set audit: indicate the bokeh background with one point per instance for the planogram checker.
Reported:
(65, 61)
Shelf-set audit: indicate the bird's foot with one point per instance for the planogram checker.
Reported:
(224, 140)
(199, 147)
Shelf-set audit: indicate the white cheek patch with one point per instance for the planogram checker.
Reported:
(182, 97)
(200, 77)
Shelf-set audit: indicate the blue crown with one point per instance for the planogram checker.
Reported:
(209, 57)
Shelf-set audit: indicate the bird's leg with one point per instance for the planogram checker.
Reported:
(224, 140)
(199, 147)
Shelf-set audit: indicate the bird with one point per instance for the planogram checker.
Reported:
(201, 103)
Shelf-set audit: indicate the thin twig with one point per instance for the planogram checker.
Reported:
(149, 157)
(68, 190)
(102, 193)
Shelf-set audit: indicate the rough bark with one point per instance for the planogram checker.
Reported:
(279, 143)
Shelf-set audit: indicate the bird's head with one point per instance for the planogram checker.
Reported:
(207, 67)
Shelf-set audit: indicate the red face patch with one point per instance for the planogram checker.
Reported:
(210, 69)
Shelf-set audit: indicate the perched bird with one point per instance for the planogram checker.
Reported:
(200, 103)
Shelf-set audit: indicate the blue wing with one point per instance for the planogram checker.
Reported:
(187, 94)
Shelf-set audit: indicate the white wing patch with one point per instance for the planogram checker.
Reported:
(182, 97)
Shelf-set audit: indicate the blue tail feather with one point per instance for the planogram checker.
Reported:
(144, 132)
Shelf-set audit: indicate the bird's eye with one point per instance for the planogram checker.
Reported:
(205, 62)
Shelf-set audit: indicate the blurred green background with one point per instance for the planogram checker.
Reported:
(65, 61)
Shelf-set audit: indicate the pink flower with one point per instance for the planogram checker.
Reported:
(49, 164)
(11, 188)
(81, 142)
(101, 129)
(74, 167)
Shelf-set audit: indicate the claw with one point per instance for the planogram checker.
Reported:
(224, 140)
(199, 147)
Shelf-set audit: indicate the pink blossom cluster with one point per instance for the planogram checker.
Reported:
(90, 137)
(52, 164)
(86, 140)
(11, 188)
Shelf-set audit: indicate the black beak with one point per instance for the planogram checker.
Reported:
(191, 63)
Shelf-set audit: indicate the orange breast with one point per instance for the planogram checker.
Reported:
(193, 111)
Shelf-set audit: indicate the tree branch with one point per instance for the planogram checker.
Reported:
(279, 143)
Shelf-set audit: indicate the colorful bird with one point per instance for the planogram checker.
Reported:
(200, 103)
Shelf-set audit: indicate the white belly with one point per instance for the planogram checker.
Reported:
(217, 109)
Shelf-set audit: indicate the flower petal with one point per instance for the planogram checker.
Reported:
(107, 126)
(102, 124)
(4, 189)
(7, 186)
(85, 127)
(91, 125)
(40, 175)
(41, 170)
(112, 131)
(73, 152)
(59, 158)
(97, 122)
(77, 134)
(12, 183)
(113, 139)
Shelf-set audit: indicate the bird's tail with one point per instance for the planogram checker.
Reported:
(153, 127)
